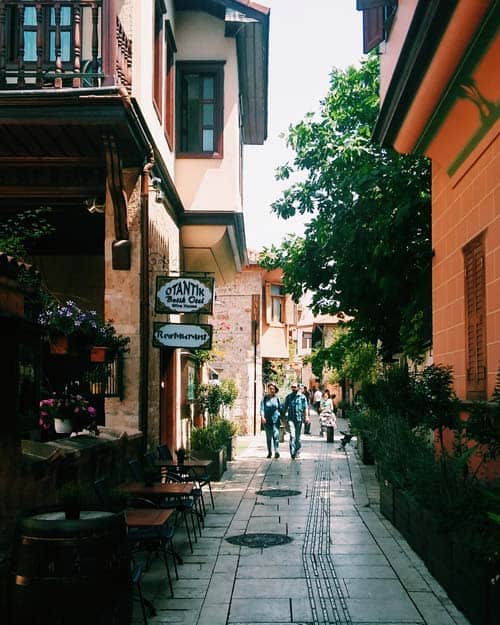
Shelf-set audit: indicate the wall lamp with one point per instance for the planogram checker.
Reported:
(156, 182)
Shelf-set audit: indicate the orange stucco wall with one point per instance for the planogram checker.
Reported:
(463, 208)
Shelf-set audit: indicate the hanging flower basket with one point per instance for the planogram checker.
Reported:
(59, 344)
(99, 353)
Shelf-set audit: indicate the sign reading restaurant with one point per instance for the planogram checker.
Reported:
(193, 336)
(179, 294)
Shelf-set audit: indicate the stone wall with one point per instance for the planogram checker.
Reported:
(237, 360)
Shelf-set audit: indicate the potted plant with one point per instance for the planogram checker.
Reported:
(107, 344)
(80, 329)
(225, 433)
(206, 445)
(66, 413)
(67, 322)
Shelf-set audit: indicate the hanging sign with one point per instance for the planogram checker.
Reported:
(192, 336)
(178, 294)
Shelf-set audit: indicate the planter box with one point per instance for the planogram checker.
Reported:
(231, 448)
(472, 590)
(465, 578)
(218, 458)
(387, 500)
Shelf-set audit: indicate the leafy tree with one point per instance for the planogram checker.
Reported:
(366, 250)
(348, 358)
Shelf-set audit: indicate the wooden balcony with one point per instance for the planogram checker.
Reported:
(48, 44)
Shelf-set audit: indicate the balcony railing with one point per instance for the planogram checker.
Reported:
(46, 44)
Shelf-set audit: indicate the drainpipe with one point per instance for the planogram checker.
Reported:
(255, 327)
(144, 323)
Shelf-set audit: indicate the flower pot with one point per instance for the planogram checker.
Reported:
(98, 353)
(59, 345)
(63, 426)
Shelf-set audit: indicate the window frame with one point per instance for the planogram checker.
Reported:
(270, 301)
(202, 68)
(476, 370)
(158, 59)
(306, 340)
(169, 87)
(12, 36)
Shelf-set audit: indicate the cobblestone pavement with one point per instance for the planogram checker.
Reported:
(345, 564)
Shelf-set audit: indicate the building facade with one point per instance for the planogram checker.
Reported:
(254, 321)
(127, 118)
(439, 97)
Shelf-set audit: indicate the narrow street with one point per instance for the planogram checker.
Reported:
(345, 563)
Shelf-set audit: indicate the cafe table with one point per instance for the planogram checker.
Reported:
(187, 464)
(159, 491)
(147, 517)
(191, 468)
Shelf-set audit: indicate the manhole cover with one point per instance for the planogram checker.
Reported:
(278, 492)
(259, 540)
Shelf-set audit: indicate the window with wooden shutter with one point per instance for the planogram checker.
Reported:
(377, 20)
(373, 28)
(475, 318)
(275, 304)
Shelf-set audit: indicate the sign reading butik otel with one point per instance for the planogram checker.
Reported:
(178, 294)
(187, 335)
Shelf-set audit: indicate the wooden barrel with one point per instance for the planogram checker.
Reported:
(71, 572)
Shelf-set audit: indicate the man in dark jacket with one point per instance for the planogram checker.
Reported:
(295, 410)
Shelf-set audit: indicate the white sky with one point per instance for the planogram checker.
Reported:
(307, 39)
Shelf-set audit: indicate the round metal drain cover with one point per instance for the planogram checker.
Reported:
(278, 492)
(259, 540)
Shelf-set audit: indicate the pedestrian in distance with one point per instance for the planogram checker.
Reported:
(307, 423)
(270, 415)
(317, 395)
(295, 410)
(326, 412)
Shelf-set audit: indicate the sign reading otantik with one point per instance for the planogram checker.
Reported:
(182, 294)
(186, 335)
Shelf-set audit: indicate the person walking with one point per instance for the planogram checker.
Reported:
(307, 422)
(295, 410)
(270, 414)
(326, 412)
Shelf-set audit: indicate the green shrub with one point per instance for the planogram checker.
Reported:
(216, 435)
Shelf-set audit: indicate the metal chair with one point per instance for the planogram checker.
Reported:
(203, 479)
(136, 574)
(184, 506)
(167, 474)
(148, 539)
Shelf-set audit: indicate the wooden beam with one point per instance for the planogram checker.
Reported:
(114, 180)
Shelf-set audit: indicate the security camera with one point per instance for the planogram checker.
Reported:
(155, 181)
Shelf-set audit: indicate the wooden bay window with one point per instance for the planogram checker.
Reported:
(200, 92)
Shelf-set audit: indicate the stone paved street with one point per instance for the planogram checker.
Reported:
(345, 564)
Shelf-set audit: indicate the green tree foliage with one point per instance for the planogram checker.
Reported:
(366, 250)
(19, 230)
(348, 358)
